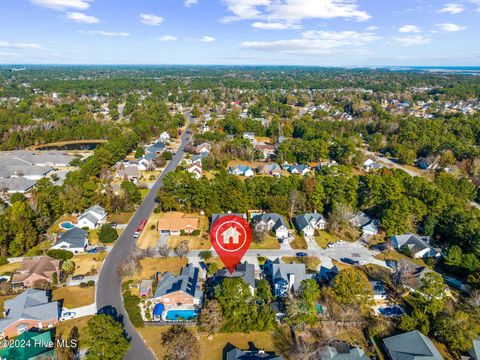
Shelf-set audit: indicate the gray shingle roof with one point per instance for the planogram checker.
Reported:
(412, 241)
(237, 354)
(276, 218)
(245, 271)
(17, 185)
(411, 346)
(303, 220)
(186, 282)
(329, 352)
(31, 304)
(75, 237)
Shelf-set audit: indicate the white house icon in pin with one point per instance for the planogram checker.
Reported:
(231, 235)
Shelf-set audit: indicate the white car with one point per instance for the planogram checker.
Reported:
(67, 315)
(341, 242)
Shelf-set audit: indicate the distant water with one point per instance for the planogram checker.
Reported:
(465, 70)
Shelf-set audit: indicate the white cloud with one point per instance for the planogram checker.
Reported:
(63, 4)
(167, 38)
(294, 10)
(476, 2)
(206, 39)
(409, 29)
(275, 25)
(189, 3)
(448, 27)
(316, 42)
(8, 45)
(410, 40)
(452, 9)
(82, 18)
(150, 19)
(104, 33)
(372, 28)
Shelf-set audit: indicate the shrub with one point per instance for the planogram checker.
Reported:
(3, 260)
(195, 232)
(132, 303)
(157, 210)
(90, 283)
(107, 234)
(63, 255)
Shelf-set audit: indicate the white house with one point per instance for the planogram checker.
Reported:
(371, 229)
(308, 223)
(92, 217)
(74, 240)
(271, 222)
(416, 245)
(249, 136)
(379, 292)
(164, 136)
(246, 171)
(196, 170)
(369, 164)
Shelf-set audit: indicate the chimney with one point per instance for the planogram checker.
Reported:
(291, 281)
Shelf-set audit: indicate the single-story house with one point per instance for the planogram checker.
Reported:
(271, 222)
(371, 229)
(417, 246)
(298, 169)
(154, 150)
(285, 278)
(270, 169)
(360, 219)
(309, 222)
(41, 347)
(41, 268)
(254, 354)
(179, 291)
(370, 164)
(427, 163)
(174, 223)
(17, 185)
(29, 310)
(130, 172)
(341, 351)
(92, 217)
(243, 170)
(146, 288)
(411, 345)
(245, 271)
(74, 240)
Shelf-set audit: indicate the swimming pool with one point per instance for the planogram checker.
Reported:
(67, 225)
(181, 315)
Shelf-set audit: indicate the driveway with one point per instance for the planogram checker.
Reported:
(82, 311)
(163, 239)
(311, 243)
(109, 294)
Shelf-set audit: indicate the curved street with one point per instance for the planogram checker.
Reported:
(109, 290)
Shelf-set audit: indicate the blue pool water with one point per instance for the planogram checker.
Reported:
(67, 225)
(181, 314)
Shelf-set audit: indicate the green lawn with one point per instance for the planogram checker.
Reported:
(324, 238)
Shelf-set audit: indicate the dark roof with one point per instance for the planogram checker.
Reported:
(276, 218)
(244, 271)
(411, 346)
(412, 241)
(237, 354)
(216, 217)
(332, 353)
(186, 282)
(75, 237)
(303, 220)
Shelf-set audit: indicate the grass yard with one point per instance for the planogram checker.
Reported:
(74, 296)
(10, 268)
(194, 242)
(65, 327)
(311, 262)
(211, 349)
(391, 254)
(270, 242)
(120, 218)
(299, 243)
(324, 238)
(150, 235)
(88, 263)
(150, 266)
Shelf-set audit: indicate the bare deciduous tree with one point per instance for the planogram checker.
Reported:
(182, 249)
(164, 250)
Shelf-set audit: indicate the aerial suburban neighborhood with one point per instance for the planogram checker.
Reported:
(351, 194)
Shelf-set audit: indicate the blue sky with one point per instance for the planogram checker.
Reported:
(277, 32)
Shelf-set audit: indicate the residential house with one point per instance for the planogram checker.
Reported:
(41, 268)
(271, 222)
(369, 164)
(197, 159)
(242, 170)
(328, 274)
(307, 223)
(203, 149)
(285, 278)
(216, 217)
(416, 245)
(341, 351)
(196, 169)
(254, 354)
(19, 185)
(298, 169)
(175, 223)
(474, 352)
(130, 172)
(412, 345)
(154, 150)
(415, 273)
(250, 136)
(165, 136)
(244, 271)
(267, 150)
(179, 291)
(92, 217)
(146, 288)
(360, 219)
(379, 291)
(270, 169)
(427, 163)
(371, 229)
(29, 310)
(74, 240)
(41, 347)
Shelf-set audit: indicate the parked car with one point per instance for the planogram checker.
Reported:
(349, 261)
(78, 277)
(301, 254)
(113, 225)
(92, 251)
(68, 315)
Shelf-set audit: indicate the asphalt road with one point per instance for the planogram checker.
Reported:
(109, 297)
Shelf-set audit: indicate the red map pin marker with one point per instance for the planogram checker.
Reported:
(231, 237)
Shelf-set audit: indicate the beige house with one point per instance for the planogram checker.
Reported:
(36, 269)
